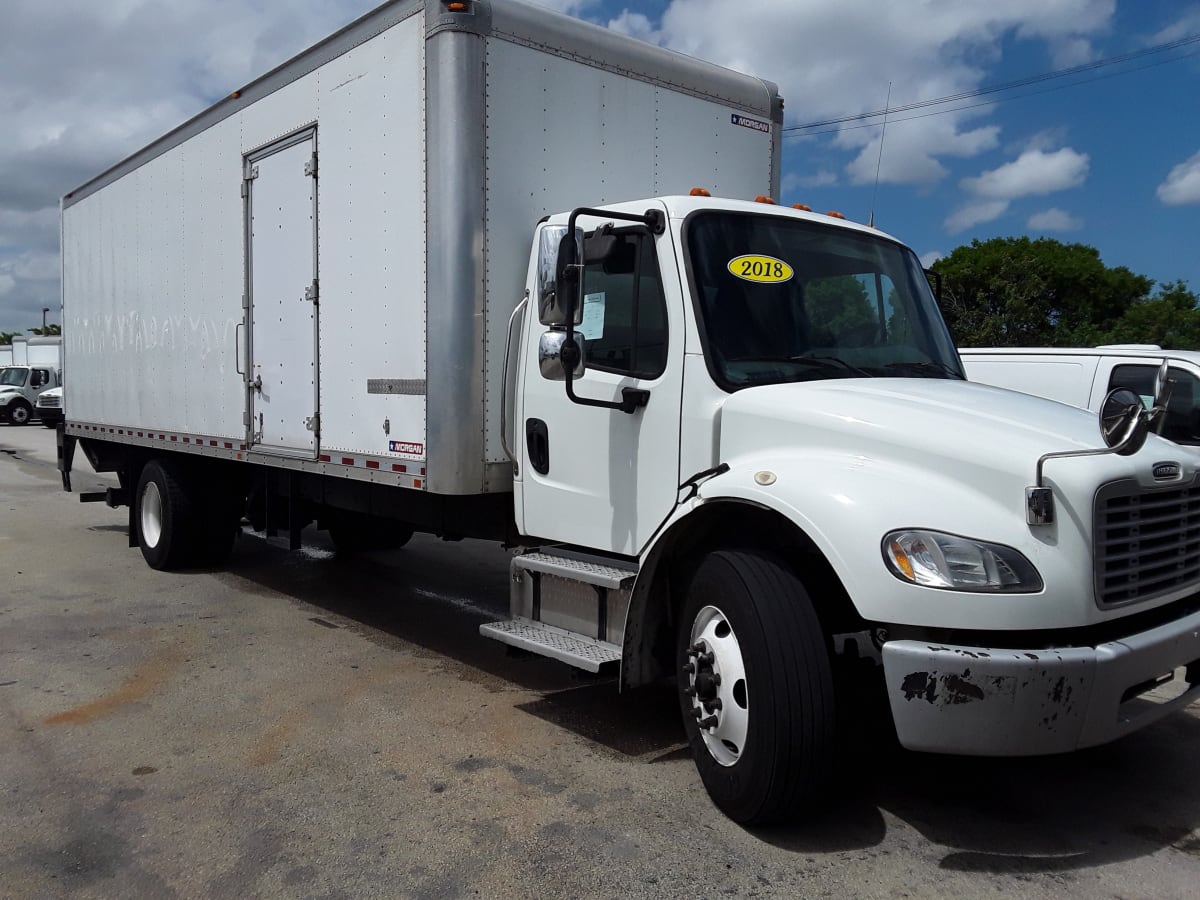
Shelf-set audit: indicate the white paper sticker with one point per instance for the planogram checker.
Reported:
(592, 326)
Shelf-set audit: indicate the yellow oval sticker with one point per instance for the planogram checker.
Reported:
(760, 269)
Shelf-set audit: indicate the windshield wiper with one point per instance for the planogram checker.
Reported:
(824, 362)
(926, 369)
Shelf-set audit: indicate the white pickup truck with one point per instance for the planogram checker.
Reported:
(1084, 376)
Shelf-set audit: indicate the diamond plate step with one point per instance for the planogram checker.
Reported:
(576, 650)
(600, 574)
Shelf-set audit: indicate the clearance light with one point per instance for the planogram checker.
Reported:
(802, 206)
(456, 7)
(834, 214)
(235, 95)
(699, 192)
(763, 198)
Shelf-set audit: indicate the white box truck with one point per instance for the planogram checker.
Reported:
(1084, 376)
(35, 368)
(445, 272)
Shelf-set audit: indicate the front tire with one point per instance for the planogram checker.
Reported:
(20, 412)
(755, 688)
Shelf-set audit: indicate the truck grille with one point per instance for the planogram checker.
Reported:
(1147, 542)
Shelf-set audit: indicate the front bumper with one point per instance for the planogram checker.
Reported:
(1003, 702)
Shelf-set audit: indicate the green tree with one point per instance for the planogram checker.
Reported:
(836, 306)
(48, 330)
(1025, 292)
(6, 337)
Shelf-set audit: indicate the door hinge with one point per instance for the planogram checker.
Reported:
(312, 293)
(313, 424)
(310, 167)
(246, 418)
(245, 301)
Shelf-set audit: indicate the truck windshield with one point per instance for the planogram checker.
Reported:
(791, 300)
(13, 377)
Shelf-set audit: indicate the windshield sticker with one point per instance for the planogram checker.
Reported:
(592, 326)
(760, 269)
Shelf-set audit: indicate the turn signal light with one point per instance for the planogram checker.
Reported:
(763, 198)
(699, 192)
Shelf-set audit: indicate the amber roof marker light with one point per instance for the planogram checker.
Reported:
(699, 192)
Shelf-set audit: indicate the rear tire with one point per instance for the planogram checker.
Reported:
(755, 673)
(165, 516)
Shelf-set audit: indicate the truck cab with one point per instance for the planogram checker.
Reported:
(20, 387)
(747, 456)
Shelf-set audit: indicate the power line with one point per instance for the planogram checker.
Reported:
(1007, 86)
(1059, 87)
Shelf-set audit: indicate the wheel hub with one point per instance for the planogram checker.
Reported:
(716, 684)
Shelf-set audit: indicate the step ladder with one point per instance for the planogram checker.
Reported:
(567, 606)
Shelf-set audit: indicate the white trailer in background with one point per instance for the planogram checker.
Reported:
(6, 355)
(438, 273)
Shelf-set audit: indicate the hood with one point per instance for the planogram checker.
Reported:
(924, 414)
(961, 430)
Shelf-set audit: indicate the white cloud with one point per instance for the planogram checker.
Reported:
(1054, 219)
(636, 25)
(928, 259)
(793, 181)
(1033, 172)
(836, 59)
(1182, 185)
(975, 214)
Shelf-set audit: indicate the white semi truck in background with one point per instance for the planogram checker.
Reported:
(445, 272)
(36, 366)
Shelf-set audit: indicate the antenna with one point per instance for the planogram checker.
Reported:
(875, 192)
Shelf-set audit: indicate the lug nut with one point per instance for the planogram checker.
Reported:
(690, 690)
(713, 705)
(697, 647)
(689, 669)
(710, 722)
(697, 712)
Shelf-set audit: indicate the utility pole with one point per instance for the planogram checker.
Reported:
(45, 309)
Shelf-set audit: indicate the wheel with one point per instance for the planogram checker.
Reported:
(19, 412)
(353, 533)
(756, 688)
(165, 516)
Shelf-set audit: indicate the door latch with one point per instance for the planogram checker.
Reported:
(256, 383)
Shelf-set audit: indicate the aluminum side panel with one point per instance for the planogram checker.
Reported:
(372, 246)
(591, 136)
(152, 288)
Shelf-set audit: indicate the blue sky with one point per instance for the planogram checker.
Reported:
(1109, 158)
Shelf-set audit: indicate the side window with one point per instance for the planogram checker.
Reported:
(1181, 421)
(38, 377)
(624, 310)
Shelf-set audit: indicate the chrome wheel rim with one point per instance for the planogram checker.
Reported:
(716, 684)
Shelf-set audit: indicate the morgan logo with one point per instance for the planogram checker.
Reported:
(1165, 470)
(747, 122)
(406, 447)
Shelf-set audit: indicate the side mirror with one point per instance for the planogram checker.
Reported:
(1124, 421)
(558, 275)
(554, 355)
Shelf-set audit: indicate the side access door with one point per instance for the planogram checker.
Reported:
(281, 262)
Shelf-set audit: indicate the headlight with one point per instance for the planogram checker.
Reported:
(933, 559)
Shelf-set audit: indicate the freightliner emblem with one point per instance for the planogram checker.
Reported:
(1165, 470)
